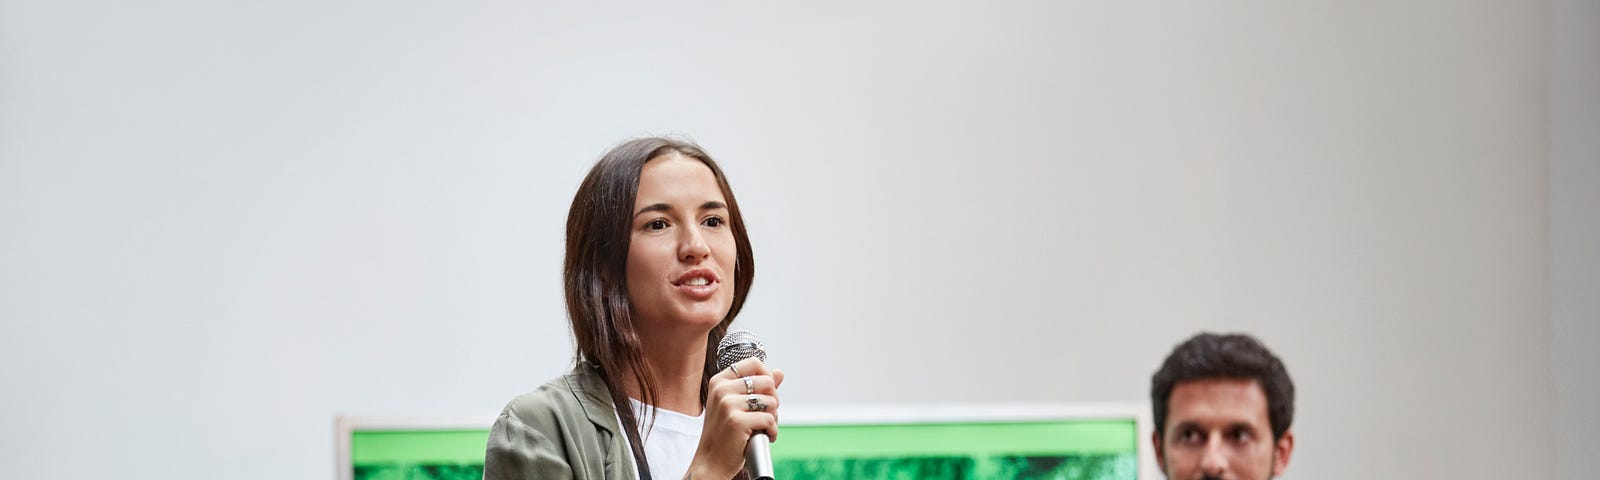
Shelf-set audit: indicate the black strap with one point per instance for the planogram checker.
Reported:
(630, 428)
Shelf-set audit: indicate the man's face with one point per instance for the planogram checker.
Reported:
(1218, 428)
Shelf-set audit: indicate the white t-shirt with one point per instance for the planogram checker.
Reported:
(670, 443)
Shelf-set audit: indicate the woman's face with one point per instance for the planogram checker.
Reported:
(682, 255)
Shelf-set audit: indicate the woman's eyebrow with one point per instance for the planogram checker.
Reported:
(658, 207)
(663, 207)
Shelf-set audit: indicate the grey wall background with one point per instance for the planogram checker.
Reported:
(1574, 226)
(226, 223)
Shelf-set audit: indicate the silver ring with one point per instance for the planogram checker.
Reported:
(735, 371)
(754, 404)
(749, 386)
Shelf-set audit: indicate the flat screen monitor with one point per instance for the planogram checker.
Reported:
(978, 441)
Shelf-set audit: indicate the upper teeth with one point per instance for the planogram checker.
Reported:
(697, 281)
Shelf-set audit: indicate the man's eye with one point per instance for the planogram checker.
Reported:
(714, 222)
(1241, 436)
(1189, 436)
(657, 224)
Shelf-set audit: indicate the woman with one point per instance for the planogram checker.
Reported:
(657, 265)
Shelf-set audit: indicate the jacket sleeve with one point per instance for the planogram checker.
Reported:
(517, 451)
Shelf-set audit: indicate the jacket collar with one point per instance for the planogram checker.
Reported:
(591, 392)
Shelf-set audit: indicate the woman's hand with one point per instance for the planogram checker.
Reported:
(738, 405)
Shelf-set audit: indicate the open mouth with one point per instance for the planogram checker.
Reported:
(698, 277)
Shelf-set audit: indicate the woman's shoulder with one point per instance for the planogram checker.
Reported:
(541, 402)
(565, 428)
(567, 397)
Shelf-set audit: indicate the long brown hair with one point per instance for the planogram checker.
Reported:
(599, 232)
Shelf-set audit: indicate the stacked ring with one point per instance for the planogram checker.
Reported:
(754, 404)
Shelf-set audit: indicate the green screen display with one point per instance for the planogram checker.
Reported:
(1054, 449)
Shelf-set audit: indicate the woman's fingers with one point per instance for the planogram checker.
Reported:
(771, 429)
(756, 407)
(762, 384)
(752, 377)
(748, 391)
(742, 400)
(754, 413)
(744, 368)
(751, 403)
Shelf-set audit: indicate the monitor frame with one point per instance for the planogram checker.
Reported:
(345, 426)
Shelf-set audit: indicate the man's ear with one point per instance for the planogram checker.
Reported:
(1282, 450)
(1155, 440)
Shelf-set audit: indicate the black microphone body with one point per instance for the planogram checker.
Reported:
(738, 345)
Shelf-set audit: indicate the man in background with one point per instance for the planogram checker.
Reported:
(1223, 404)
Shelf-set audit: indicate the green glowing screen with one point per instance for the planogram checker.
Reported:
(1101, 449)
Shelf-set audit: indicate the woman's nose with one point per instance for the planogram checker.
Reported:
(693, 247)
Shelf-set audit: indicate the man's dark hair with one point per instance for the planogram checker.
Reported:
(1209, 355)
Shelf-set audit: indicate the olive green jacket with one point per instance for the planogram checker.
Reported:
(565, 429)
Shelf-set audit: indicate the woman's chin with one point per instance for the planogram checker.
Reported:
(703, 319)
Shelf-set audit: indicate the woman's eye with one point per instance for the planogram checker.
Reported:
(657, 224)
(714, 222)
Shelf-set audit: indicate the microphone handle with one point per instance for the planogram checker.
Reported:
(758, 457)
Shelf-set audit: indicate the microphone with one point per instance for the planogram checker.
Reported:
(735, 346)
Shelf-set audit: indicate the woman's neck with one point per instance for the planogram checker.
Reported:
(679, 371)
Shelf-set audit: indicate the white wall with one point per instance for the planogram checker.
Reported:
(224, 224)
(1574, 271)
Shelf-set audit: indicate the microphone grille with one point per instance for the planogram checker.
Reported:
(738, 345)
